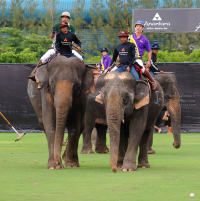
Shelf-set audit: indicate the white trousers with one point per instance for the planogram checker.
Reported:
(50, 52)
(77, 54)
(46, 56)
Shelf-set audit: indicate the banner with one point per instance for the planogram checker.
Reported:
(168, 20)
(16, 106)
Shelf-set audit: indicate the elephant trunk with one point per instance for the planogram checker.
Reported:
(114, 115)
(174, 109)
(63, 103)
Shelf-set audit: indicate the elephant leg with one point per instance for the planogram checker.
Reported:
(136, 129)
(94, 137)
(144, 144)
(87, 133)
(70, 155)
(122, 147)
(48, 114)
(150, 144)
(101, 139)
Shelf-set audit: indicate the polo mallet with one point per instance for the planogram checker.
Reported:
(112, 66)
(164, 73)
(19, 136)
(51, 13)
(78, 50)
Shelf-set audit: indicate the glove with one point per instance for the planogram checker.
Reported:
(53, 30)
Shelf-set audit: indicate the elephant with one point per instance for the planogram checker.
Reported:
(131, 101)
(96, 111)
(59, 100)
(98, 120)
(172, 103)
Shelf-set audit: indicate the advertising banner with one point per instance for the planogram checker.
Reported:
(16, 106)
(168, 20)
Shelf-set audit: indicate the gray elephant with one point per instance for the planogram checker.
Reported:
(171, 104)
(129, 100)
(95, 116)
(59, 102)
(96, 111)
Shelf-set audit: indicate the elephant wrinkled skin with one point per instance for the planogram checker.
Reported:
(61, 102)
(132, 101)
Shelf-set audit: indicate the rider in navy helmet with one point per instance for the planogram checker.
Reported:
(104, 49)
(155, 46)
(153, 68)
(105, 60)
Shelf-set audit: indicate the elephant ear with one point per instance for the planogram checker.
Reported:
(90, 78)
(42, 76)
(141, 95)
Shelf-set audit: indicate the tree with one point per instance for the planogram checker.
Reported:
(30, 17)
(78, 21)
(16, 44)
(2, 12)
(115, 21)
(96, 13)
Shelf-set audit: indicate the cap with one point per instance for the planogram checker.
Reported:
(65, 13)
(155, 46)
(104, 49)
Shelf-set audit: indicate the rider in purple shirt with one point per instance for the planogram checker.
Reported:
(142, 42)
(105, 61)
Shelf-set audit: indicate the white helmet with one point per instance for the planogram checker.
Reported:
(66, 14)
(139, 62)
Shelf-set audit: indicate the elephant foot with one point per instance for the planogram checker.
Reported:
(58, 166)
(119, 164)
(52, 165)
(151, 151)
(130, 167)
(143, 165)
(114, 169)
(102, 150)
(71, 164)
(69, 161)
(87, 151)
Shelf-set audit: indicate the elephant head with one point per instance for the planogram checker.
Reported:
(47, 74)
(172, 103)
(122, 95)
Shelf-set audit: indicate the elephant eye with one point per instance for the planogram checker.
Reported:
(126, 98)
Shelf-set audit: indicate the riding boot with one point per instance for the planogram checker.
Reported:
(32, 77)
(153, 82)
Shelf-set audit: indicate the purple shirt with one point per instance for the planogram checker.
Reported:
(142, 43)
(105, 62)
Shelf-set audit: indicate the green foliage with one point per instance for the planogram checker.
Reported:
(17, 47)
(25, 56)
(163, 56)
(94, 59)
(194, 56)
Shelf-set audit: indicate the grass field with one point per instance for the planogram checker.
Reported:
(174, 173)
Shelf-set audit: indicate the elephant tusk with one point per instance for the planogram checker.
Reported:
(122, 120)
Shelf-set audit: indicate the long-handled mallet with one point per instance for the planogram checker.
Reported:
(19, 136)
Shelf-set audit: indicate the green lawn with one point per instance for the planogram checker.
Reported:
(174, 173)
